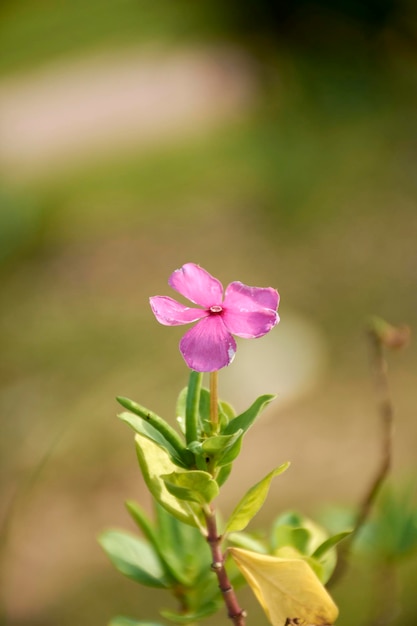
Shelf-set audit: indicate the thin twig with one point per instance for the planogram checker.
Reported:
(386, 413)
(380, 335)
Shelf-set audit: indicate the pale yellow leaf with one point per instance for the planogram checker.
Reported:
(155, 462)
(287, 589)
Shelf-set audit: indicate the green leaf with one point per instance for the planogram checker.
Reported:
(142, 520)
(246, 419)
(153, 536)
(329, 544)
(319, 569)
(233, 451)
(160, 425)
(194, 485)
(222, 449)
(217, 444)
(144, 428)
(248, 542)
(286, 535)
(182, 547)
(291, 530)
(252, 501)
(226, 413)
(223, 474)
(316, 533)
(155, 461)
(227, 410)
(326, 556)
(134, 558)
(187, 618)
(127, 621)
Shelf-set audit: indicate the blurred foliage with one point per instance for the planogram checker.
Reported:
(313, 190)
(391, 534)
(20, 221)
(35, 32)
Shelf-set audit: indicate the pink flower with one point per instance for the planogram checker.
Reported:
(244, 311)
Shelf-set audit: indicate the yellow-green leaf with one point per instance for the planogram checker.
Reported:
(193, 486)
(155, 461)
(252, 501)
(286, 589)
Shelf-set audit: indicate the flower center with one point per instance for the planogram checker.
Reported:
(216, 308)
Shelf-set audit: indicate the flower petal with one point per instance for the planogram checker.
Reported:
(242, 296)
(171, 313)
(196, 284)
(208, 346)
(250, 312)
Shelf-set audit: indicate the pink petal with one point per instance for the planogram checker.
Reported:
(240, 296)
(208, 346)
(250, 312)
(197, 285)
(171, 313)
(250, 325)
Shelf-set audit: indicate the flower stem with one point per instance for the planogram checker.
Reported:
(192, 406)
(214, 392)
(235, 613)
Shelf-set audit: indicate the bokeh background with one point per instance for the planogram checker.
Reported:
(271, 142)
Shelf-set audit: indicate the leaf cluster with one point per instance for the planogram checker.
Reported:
(169, 555)
(184, 471)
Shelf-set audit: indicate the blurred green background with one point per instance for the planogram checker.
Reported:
(270, 142)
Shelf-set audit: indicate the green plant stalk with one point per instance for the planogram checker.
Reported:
(192, 406)
(214, 407)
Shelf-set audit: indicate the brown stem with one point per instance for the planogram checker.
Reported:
(386, 414)
(235, 613)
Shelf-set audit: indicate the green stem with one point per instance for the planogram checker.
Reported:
(214, 404)
(192, 406)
